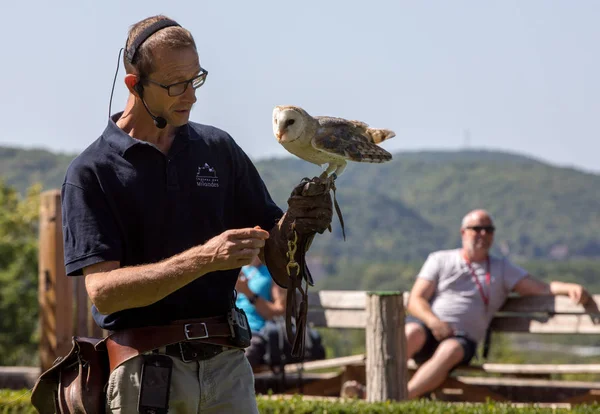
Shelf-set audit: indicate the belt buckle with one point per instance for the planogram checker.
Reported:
(183, 358)
(186, 330)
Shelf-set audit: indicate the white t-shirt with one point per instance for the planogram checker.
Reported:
(457, 299)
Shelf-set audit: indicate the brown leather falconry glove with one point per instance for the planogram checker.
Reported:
(309, 212)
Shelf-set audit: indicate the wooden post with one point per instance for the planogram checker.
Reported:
(55, 289)
(386, 347)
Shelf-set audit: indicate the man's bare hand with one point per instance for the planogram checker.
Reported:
(241, 285)
(441, 330)
(577, 293)
(234, 248)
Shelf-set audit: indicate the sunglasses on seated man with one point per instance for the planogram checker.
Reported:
(478, 229)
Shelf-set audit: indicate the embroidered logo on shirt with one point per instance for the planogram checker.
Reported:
(207, 176)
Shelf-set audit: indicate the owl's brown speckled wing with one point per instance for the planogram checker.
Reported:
(351, 140)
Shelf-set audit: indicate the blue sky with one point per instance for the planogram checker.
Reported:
(522, 76)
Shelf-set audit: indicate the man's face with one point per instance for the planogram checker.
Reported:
(478, 233)
(172, 66)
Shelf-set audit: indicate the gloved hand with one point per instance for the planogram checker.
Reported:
(310, 211)
(310, 207)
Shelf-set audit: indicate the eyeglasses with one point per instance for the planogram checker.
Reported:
(176, 89)
(478, 229)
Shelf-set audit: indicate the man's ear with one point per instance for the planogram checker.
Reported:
(131, 81)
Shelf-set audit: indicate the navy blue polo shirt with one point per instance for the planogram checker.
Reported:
(124, 200)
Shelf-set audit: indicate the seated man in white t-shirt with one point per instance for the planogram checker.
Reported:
(455, 297)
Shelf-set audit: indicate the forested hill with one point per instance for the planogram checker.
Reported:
(401, 210)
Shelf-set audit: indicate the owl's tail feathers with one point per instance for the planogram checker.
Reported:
(380, 135)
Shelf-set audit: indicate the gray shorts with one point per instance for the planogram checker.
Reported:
(222, 384)
(469, 346)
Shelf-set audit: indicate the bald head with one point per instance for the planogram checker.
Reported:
(477, 231)
(476, 216)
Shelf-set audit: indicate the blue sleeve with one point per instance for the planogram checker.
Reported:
(90, 234)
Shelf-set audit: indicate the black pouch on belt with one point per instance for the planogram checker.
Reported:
(240, 329)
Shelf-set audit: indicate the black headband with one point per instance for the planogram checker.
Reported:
(146, 33)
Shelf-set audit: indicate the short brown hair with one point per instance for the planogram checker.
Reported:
(175, 37)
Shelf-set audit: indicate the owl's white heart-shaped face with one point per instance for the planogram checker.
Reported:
(288, 124)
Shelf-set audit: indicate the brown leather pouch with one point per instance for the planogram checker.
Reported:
(75, 383)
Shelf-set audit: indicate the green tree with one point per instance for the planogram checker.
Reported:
(18, 275)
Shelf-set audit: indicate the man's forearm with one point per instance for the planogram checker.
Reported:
(420, 309)
(138, 286)
(268, 310)
(558, 288)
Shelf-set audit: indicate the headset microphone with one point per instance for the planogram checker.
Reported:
(159, 121)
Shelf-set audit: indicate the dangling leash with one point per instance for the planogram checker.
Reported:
(297, 272)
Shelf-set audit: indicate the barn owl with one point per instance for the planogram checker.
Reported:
(326, 140)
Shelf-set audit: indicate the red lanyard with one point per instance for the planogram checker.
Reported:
(488, 279)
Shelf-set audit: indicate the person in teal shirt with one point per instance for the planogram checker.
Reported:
(262, 300)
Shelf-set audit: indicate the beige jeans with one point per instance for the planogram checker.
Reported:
(222, 384)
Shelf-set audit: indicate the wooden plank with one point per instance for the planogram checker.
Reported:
(541, 368)
(337, 299)
(412, 365)
(341, 299)
(524, 369)
(551, 304)
(516, 369)
(328, 385)
(559, 324)
(354, 299)
(334, 318)
(326, 363)
(518, 382)
(453, 389)
(515, 391)
(586, 398)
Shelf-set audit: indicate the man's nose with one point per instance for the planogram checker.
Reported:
(189, 95)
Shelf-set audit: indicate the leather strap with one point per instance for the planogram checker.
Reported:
(297, 270)
(129, 343)
(338, 210)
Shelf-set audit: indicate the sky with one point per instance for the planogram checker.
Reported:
(519, 76)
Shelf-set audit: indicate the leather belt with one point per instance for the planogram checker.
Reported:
(193, 351)
(128, 343)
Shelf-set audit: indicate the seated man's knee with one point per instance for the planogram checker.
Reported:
(449, 353)
(415, 337)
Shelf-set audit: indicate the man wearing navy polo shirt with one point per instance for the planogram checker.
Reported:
(159, 214)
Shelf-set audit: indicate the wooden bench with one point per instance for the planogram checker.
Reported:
(539, 315)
